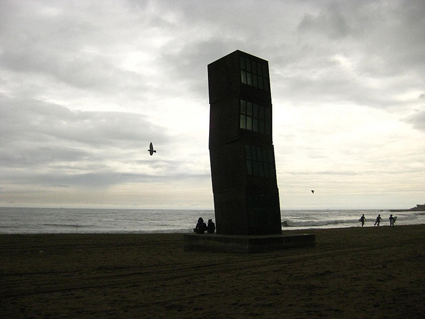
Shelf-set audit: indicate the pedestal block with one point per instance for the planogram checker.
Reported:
(245, 244)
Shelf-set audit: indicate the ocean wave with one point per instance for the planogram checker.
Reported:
(317, 223)
(68, 225)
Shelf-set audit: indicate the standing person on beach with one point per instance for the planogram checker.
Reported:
(362, 219)
(378, 220)
(392, 220)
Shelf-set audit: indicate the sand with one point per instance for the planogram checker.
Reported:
(350, 273)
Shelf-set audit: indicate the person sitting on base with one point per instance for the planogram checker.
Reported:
(210, 226)
(200, 227)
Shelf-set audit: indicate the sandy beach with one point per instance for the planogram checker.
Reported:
(350, 273)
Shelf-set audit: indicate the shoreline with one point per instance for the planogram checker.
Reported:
(351, 272)
(285, 229)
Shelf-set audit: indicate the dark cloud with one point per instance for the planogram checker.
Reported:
(361, 52)
(67, 45)
(332, 23)
(41, 121)
(417, 120)
(101, 178)
(25, 156)
(180, 61)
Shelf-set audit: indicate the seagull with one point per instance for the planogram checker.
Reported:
(312, 191)
(151, 150)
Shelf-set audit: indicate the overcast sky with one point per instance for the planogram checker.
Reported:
(86, 85)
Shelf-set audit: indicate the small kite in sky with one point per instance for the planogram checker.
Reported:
(151, 150)
(312, 191)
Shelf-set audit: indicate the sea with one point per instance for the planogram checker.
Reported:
(14, 220)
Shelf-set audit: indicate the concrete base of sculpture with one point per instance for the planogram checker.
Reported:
(245, 244)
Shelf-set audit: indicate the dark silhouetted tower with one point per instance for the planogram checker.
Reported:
(243, 170)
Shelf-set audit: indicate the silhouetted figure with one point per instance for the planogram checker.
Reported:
(362, 219)
(378, 220)
(210, 226)
(200, 227)
(392, 220)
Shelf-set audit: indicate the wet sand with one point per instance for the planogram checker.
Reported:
(350, 273)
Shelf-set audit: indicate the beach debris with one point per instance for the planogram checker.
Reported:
(151, 150)
(312, 191)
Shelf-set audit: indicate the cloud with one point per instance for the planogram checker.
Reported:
(331, 23)
(62, 143)
(417, 120)
(43, 122)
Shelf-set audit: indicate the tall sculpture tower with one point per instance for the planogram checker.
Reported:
(243, 170)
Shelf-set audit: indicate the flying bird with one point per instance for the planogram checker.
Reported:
(312, 191)
(151, 150)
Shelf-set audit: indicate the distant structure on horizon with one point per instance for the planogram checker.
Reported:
(419, 207)
(243, 170)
